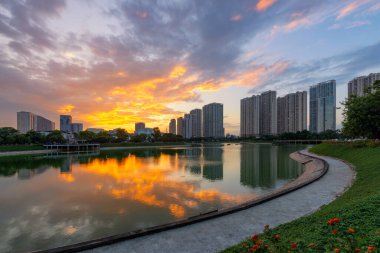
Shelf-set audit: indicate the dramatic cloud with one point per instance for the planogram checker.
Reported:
(111, 64)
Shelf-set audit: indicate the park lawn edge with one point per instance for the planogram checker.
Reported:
(357, 207)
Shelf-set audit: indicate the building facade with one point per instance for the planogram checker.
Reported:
(76, 127)
(180, 126)
(268, 113)
(42, 125)
(65, 122)
(27, 121)
(292, 113)
(323, 106)
(196, 119)
(213, 120)
(172, 126)
(250, 116)
(139, 126)
(188, 126)
(359, 85)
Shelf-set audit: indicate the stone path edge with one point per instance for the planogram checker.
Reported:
(314, 173)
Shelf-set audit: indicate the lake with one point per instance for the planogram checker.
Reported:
(55, 200)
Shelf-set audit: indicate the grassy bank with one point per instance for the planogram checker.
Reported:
(8, 148)
(358, 208)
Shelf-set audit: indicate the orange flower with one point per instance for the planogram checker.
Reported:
(277, 237)
(334, 232)
(337, 250)
(357, 250)
(312, 245)
(333, 221)
(370, 248)
(266, 226)
(255, 247)
(351, 230)
(378, 233)
(293, 245)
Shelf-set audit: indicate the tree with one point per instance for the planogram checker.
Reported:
(139, 138)
(362, 114)
(35, 137)
(103, 137)
(121, 135)
(55, 137)
(86, 135)
(156, 133)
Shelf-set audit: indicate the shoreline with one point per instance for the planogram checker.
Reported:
(47, 151)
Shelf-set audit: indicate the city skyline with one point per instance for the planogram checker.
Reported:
(113, 64)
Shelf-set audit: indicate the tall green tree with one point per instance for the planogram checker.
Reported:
(121, 135)
(362, 114)
(156, 133)
(86, 135)
(55, 137)
(103, 137)
(35, 137)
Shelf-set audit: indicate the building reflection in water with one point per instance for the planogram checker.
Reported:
(213, 163)
(263, 165)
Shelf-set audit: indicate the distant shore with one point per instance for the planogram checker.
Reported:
(46, 151)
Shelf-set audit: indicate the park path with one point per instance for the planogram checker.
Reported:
(216, 234)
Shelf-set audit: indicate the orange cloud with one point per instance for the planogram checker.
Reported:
(66, 109)
(348, 9)
(262, 5)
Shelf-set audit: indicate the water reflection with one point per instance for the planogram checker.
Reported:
(258, 169)
(56, 200)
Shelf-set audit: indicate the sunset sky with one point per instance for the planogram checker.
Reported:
(112, 63)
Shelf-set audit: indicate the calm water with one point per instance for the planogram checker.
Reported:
(53, 201)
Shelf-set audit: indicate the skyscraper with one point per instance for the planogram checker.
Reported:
(359, 85)
(213, 120)
(268, 113)
(323, 106)
(292, 112)
(250, 116)
(42, 124)
(196, 118)
(180, 127)
(76, 127)
(172, 126)
(139, 126)
(188, 126)
(65, 122)
(25, 121)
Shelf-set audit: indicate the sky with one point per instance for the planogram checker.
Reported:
(113, 63)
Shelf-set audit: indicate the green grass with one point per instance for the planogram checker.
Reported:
(359, 207)
(6, 148)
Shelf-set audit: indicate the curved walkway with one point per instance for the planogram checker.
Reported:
(218, 233)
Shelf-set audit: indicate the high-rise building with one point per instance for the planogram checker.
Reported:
(76, 127)
(323, 106)
(213, 120)
(268, 113)
(25, 121)
(139, 126)
(250, 116)
(196, 118)
(172, 126)
(292, 113)
(180, 127)
(65, 122)
(42, 125)
(359, 85)
(188, 126)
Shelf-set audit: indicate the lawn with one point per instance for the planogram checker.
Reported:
(6, 148)
(357, 208)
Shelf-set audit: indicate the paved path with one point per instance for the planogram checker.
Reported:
(218, 233)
